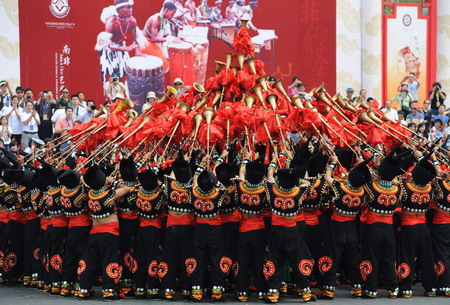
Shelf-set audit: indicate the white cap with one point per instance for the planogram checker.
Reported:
(178, 80)
(151, 94)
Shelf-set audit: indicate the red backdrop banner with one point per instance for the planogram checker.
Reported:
(57, 40)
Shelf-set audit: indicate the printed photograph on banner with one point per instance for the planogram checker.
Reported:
(406, 56)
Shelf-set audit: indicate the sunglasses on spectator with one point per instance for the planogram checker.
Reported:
(65, 92)
(18, 92)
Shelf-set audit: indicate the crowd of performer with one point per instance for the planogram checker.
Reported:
(202, 223)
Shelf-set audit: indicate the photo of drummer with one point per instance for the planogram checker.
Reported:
(157, 32)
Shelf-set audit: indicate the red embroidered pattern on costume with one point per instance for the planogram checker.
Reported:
(325, 264)
(269, 269)
(305, 266)
(56, 262)
(225, 264)
(439, 268)
(2, 258)
(9, 262)
(114, 271)
(153, 268)
(130, 262)
(250, 199)
(235, 269)
(284, 203)
(191, 264)
(420, 198)
(203, 205)
(448, 197)
(162, 269)
(403, 270)
(387, 199)
(365, 268)
(179, 197)
(65, 202)
(49, 200)
(351, 201)
(143, 205)
(226, 200)
(81, 267)
(313, 194)
(94, 205)
(36, 254)
(19, 197)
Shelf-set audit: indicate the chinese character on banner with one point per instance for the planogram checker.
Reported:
(66, 60)
(66, 50)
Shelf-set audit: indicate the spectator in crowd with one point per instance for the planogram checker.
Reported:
(20, 92)
(45, 106)
(64, 97)
(301, 92)
(115, 87)
(14, 147)
(415, 116)
(81, 97)
(30, 121)
(50, 96)
(401, 118)
(5, 132)
(60, 112)
(441, 115)
(77, 109)
(427, 113)
(404, 99)
(64, 125)
(271, 80)
(179, 85)
(390, 112)
(90, 112)
(5, 93)
(29, 95)
(422, 132)
(363, 95)
(35, 146)
(413, 85)
(107, 106)
(437, 131)
(293, 88)
(412, 127)
(13, 114)
(151, 97)
(436, 97)
(349, 94)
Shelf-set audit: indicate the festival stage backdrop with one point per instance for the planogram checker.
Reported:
(57, 40)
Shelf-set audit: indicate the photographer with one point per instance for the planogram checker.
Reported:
(413, 85)
(404, 99)
(90, 112)
(44, 107)
(115, 87)
(437, 97)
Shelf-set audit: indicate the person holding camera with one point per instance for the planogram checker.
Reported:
(115, 87)
(90, 112)
(413, 85)
(437, 97)
(44, 107)
(404, 99)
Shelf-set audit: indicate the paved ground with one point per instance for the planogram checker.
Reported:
(25, 296)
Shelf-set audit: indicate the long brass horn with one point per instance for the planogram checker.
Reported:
(102, 111)
(251, 63)
(220, 65)
(364, 118)
(170, 91)
(374, 117)
(272, 100)
(124, 105)
(385, 117)
(229, 58)
(244, 23)
(297, 101)
(216, 97)
(249, 100)
(132, 115)
(235, 70)
(258, 91)
(263, 82)
(199, 88)
(279, 85)
(197, 120)
(241, 58)
(208, 115)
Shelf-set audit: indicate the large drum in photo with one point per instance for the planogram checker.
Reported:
(181, 62)
(200, 47)
(144, 74)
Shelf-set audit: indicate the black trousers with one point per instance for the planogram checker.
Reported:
(378, 252)
(76, 240)
(128, 228)
(230, 233)
(44, 252)
(313, 242)
(415, 250)
(14, 252)
(440, 237)
(56, 254)
(251, 250)
(148, 240)
(341, 245)
(31, 233)
(209, 249)
(285, 243)
(176, 250)
(101, 255)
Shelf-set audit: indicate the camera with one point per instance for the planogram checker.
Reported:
(115, 79)
(93, 107)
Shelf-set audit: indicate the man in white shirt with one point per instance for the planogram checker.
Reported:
(90, 112)
(13, 115)
(30, 121)
(390, 112)
(77, 109)
(59, 113)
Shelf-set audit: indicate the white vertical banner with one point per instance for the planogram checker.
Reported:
(9, 42)
(348, 45)
(372, 48)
